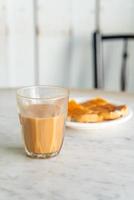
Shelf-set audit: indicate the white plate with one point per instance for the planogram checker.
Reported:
(98, 125)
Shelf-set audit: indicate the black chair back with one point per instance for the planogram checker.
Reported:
(98, 39)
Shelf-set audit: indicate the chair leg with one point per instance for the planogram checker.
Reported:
(124, 65)
(95, 60)
(98, 67)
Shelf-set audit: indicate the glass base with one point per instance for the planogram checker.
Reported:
(43, 156)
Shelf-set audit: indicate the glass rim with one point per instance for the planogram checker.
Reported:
(42, 86)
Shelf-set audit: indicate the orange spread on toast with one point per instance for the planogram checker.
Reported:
(95, 110)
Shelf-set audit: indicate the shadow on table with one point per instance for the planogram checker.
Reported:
(12, 150)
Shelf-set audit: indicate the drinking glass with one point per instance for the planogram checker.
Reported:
(42, 113)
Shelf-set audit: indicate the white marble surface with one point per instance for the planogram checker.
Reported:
(93, 165)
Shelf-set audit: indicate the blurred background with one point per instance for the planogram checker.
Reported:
(51, 42)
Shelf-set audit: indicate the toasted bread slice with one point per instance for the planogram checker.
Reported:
(95, 110)
(83, 115)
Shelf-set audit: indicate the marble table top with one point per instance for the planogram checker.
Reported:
(93, 165)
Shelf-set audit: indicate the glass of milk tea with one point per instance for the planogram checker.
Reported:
(42, 114)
